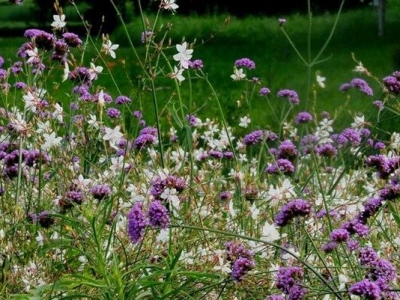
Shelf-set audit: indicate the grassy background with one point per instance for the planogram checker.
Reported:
(219, 43)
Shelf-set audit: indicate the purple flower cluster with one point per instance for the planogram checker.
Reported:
(288, 280)
(101, 191)
(281, 165)
(295, 208)
(241, 259)
(113, 112)
(245, 63)
(287, 150)
(257, 136)
(359, 84)
(46, 41)
(225, 195)
(380, 273)
(292, 96)
(158, 185)
(196, 64)
(264, 91)
(44, 218)
(303, 117)
(392, 82)
(325, 150)
(241, 267)
(157, 216)
(122, 100)
(137, 223)
(367, 289)
(384, 165)
(147, 136)
(10, 158)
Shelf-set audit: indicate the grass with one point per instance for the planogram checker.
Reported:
(219, 40)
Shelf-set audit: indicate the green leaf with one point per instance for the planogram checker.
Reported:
(396, 217)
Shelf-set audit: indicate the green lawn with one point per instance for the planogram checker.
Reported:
(219, 44)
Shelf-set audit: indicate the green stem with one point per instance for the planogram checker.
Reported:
(158, 124)
(337, 294)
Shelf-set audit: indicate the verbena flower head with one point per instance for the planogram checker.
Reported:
(101, 191)
(257, 136)
(72, 39)
(122, 100)
(359, 84)
(136, 223)
(113, 112)
(281, 165)
(291, 95)
(295, 208)
(392, 83)
(147, 136)
(45, 219)
(264, 91)
(158, 215)
(367, 289)
(303, 117)
(241, 267)
(41, 39)
(196, 64)
(288, 277)
(339, 235)
(245, 63)
(235, 250)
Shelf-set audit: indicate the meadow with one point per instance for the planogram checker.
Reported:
(201, 158)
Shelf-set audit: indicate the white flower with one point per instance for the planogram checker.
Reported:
(163, 236)
(359, 122)
(33, 56)
(360, 68)
(66, 71)
(254, 211)
(59, 21)
(183, 56)
(94, 71)
(101, 99)
(238, 74)
(43, 127)
(51, 140)
(171, 196)
(112, 135)
(223, 266)
(269, 233)
(39, 239)
(19, 124)
(109, 48)
(244, 122)
(321, 80)
(93, 120)
(31, 101)
(58, 113)
(82, 183)
(177, 74)
(169, 5)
